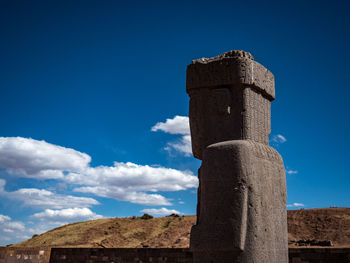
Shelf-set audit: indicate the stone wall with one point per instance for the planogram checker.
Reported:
(319, 255)
(120, 255)
(145, 255)
(24, 255)
(170, 255)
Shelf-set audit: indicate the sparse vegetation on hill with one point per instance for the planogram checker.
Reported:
(144, 231)
(146, 216)
(327, 224)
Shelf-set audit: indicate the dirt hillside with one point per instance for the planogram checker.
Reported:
(305, 227)
(172, 231)
(322, 224)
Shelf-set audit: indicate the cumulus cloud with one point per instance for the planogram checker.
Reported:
(161, 211)
(15, 225)
(130, 182)
(296, 205)
(278, 139)
(10, 229)
(183, 145)
(7, 223)
(69, 214)
(123, 181)
(38, 159)
(42, 198)
(124, 195)
(136, 177)
(4, 219)
(177, 125)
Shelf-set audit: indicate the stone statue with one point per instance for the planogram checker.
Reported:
(241, 210)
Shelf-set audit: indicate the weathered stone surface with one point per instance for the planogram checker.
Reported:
(25, 254)
(235, 67)
(242, 197)
(131, 255)
(120, 255)
(241, 209)
(229, 100)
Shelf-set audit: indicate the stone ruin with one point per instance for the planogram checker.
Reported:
(241, 209)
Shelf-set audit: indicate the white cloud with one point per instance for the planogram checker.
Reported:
(183, 145)
(278, 139)
(160, 211)
(134, 177)
(4, 219)
(16, 225)
(130, 182)
(10, 229)
(124, 195)
(42, 198)
(69, 214)
(291, 171)
(123, 181)
(39, 159)
(177, 125)
(296, 205)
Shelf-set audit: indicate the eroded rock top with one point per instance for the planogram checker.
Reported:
(229, 54)
(235, 67)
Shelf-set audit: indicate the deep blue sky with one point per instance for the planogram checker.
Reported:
(96, 76)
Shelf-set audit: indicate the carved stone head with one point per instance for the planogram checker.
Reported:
(229, 100)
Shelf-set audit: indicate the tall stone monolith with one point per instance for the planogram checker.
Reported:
(241, 210)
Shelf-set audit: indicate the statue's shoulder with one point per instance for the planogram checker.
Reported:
(246, 147)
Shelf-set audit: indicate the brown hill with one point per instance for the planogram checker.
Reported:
(172, 231)
(305, 225)
(332, 224)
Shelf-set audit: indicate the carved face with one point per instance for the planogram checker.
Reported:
(215, 116)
